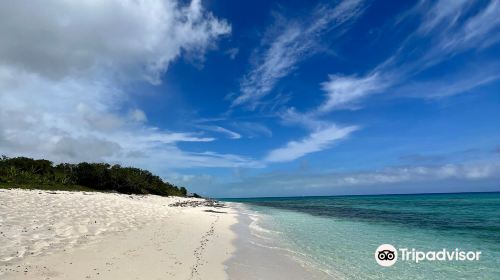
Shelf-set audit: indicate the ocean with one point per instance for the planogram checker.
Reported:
(338, 235)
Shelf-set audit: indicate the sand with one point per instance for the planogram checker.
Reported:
(77, 235)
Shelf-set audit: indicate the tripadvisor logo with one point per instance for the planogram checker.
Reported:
(387, 255)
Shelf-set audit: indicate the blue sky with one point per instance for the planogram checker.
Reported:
(262, 98)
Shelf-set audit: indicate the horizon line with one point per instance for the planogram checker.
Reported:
(343, 195)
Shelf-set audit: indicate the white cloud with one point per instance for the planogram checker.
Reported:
(289, 42)
(152, 135)
(231, 134)
(84, 148)
(477, 175)
(165, 158)
(63, 72)
(73, 120)
(138, 39)
(443, 15)
(245, 128)
(316, 141)
(137, 115)
(277, 63)
(290, 116)
(341, 91)
(201, 181)
(419, 173)
(477, 32)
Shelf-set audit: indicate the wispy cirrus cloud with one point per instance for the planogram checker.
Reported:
(219, 129)
(449, 85)
(253, 129)
(318, 140)
(342, 91)
(477, 32)
(286, 44)
(448, 34)
(234, 129)
(289, 42)
(450, 29)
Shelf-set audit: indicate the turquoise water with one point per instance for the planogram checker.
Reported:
(339, 235)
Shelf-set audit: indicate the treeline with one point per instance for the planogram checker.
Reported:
(43, 174)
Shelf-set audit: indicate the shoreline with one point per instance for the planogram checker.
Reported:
(258, 257)
(89, 235)
(76, 235)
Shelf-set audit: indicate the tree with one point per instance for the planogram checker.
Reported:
(98, 176)
(183, 191)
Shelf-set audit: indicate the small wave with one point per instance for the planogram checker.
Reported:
(256, 226)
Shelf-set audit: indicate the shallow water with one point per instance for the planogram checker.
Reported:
(339, 235)
(258, 257)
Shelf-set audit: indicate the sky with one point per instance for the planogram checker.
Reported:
(259, 98)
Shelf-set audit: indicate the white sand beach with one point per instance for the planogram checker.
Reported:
(78, 235)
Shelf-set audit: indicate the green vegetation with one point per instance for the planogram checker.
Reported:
(27, 173)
